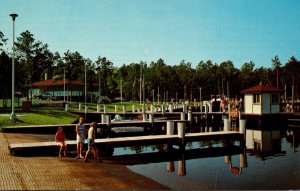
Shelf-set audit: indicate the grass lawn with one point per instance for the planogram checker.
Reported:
(39, 116)
(56, 114)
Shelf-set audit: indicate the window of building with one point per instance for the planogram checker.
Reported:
(256, 98)
(275, 99)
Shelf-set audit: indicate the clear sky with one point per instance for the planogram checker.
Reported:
(130, 31)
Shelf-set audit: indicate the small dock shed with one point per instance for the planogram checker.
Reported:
(261, 100)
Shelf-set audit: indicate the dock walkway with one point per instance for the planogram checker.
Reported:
(141, 140)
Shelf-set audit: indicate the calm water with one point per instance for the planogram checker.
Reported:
(270, 160)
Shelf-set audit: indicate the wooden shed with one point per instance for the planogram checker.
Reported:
(261, 100)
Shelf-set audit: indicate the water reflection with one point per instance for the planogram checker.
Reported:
(173, 155)
(293, 137)
(264, 143)
(236, 170)
(269, 160)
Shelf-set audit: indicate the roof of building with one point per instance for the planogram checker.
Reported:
(55, 83)
(261, 89)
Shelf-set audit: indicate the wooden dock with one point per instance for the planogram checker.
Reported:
(138, 140)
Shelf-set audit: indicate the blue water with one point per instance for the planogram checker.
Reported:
(274, 163)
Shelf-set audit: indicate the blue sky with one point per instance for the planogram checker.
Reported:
(130, 31)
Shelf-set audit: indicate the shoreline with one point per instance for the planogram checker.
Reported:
(54, 173)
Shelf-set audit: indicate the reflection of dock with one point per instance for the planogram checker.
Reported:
(138, 140)
(175, 155)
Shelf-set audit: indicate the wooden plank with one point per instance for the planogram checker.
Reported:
(127, 139)
(293, 119)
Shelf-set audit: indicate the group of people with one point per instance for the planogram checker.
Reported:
(234, 104)
(80, 139)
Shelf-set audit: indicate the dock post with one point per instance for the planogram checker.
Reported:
(170, 127)
(243, 163)
(210, 108)
(242, 126)
(66, 107)
(143, 108)
(79, 106)
(108, 121)
(170, 166)
(181, 131)
(103, 118)
(243, 159)
(182, 116)
(163, 109)
(181, 164)
(151, 118)
(170, 108)
(184, 108)
(105, 109)
(190, 117)
(124, 109)
(133, 108)
(86, 109)
(226, 124)
(152, 108)
(98, 108)
(144, 117)
(227, 159)
(116, 108)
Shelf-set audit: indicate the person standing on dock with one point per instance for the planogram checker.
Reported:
(80, 137)
(91, 142)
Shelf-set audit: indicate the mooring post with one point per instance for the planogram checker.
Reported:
(190, 117)
(151, 108)
(171, 108)
(103, 118)
(170, 166)
(66, 107)
(116, 108)
(182, 116)
(143, 108)
(133, 108)
(181, 132)
(144, 117)
(86, 109)
(227, 159)
(108, 121)
(105, 109)
(243, 159)
(79, 106)
(163, 109)
(98, 108)
(242, 127)
(151, 119)
(181, 164)
(124, 109)
(226, 124)
(170, 127)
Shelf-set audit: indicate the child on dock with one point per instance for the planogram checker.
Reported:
(60, 141)
(91, 142)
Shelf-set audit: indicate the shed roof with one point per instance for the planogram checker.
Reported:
(261, 89)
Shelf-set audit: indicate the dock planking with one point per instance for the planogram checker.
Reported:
(140, 140)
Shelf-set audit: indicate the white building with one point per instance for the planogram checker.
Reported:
(261, 100)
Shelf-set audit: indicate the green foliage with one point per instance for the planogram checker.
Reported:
(140, 81)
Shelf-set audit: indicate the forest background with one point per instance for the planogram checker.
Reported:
(33, 60)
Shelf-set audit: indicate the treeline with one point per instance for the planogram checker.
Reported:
(33, 60)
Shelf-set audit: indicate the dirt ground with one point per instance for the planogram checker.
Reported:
(67, 173)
